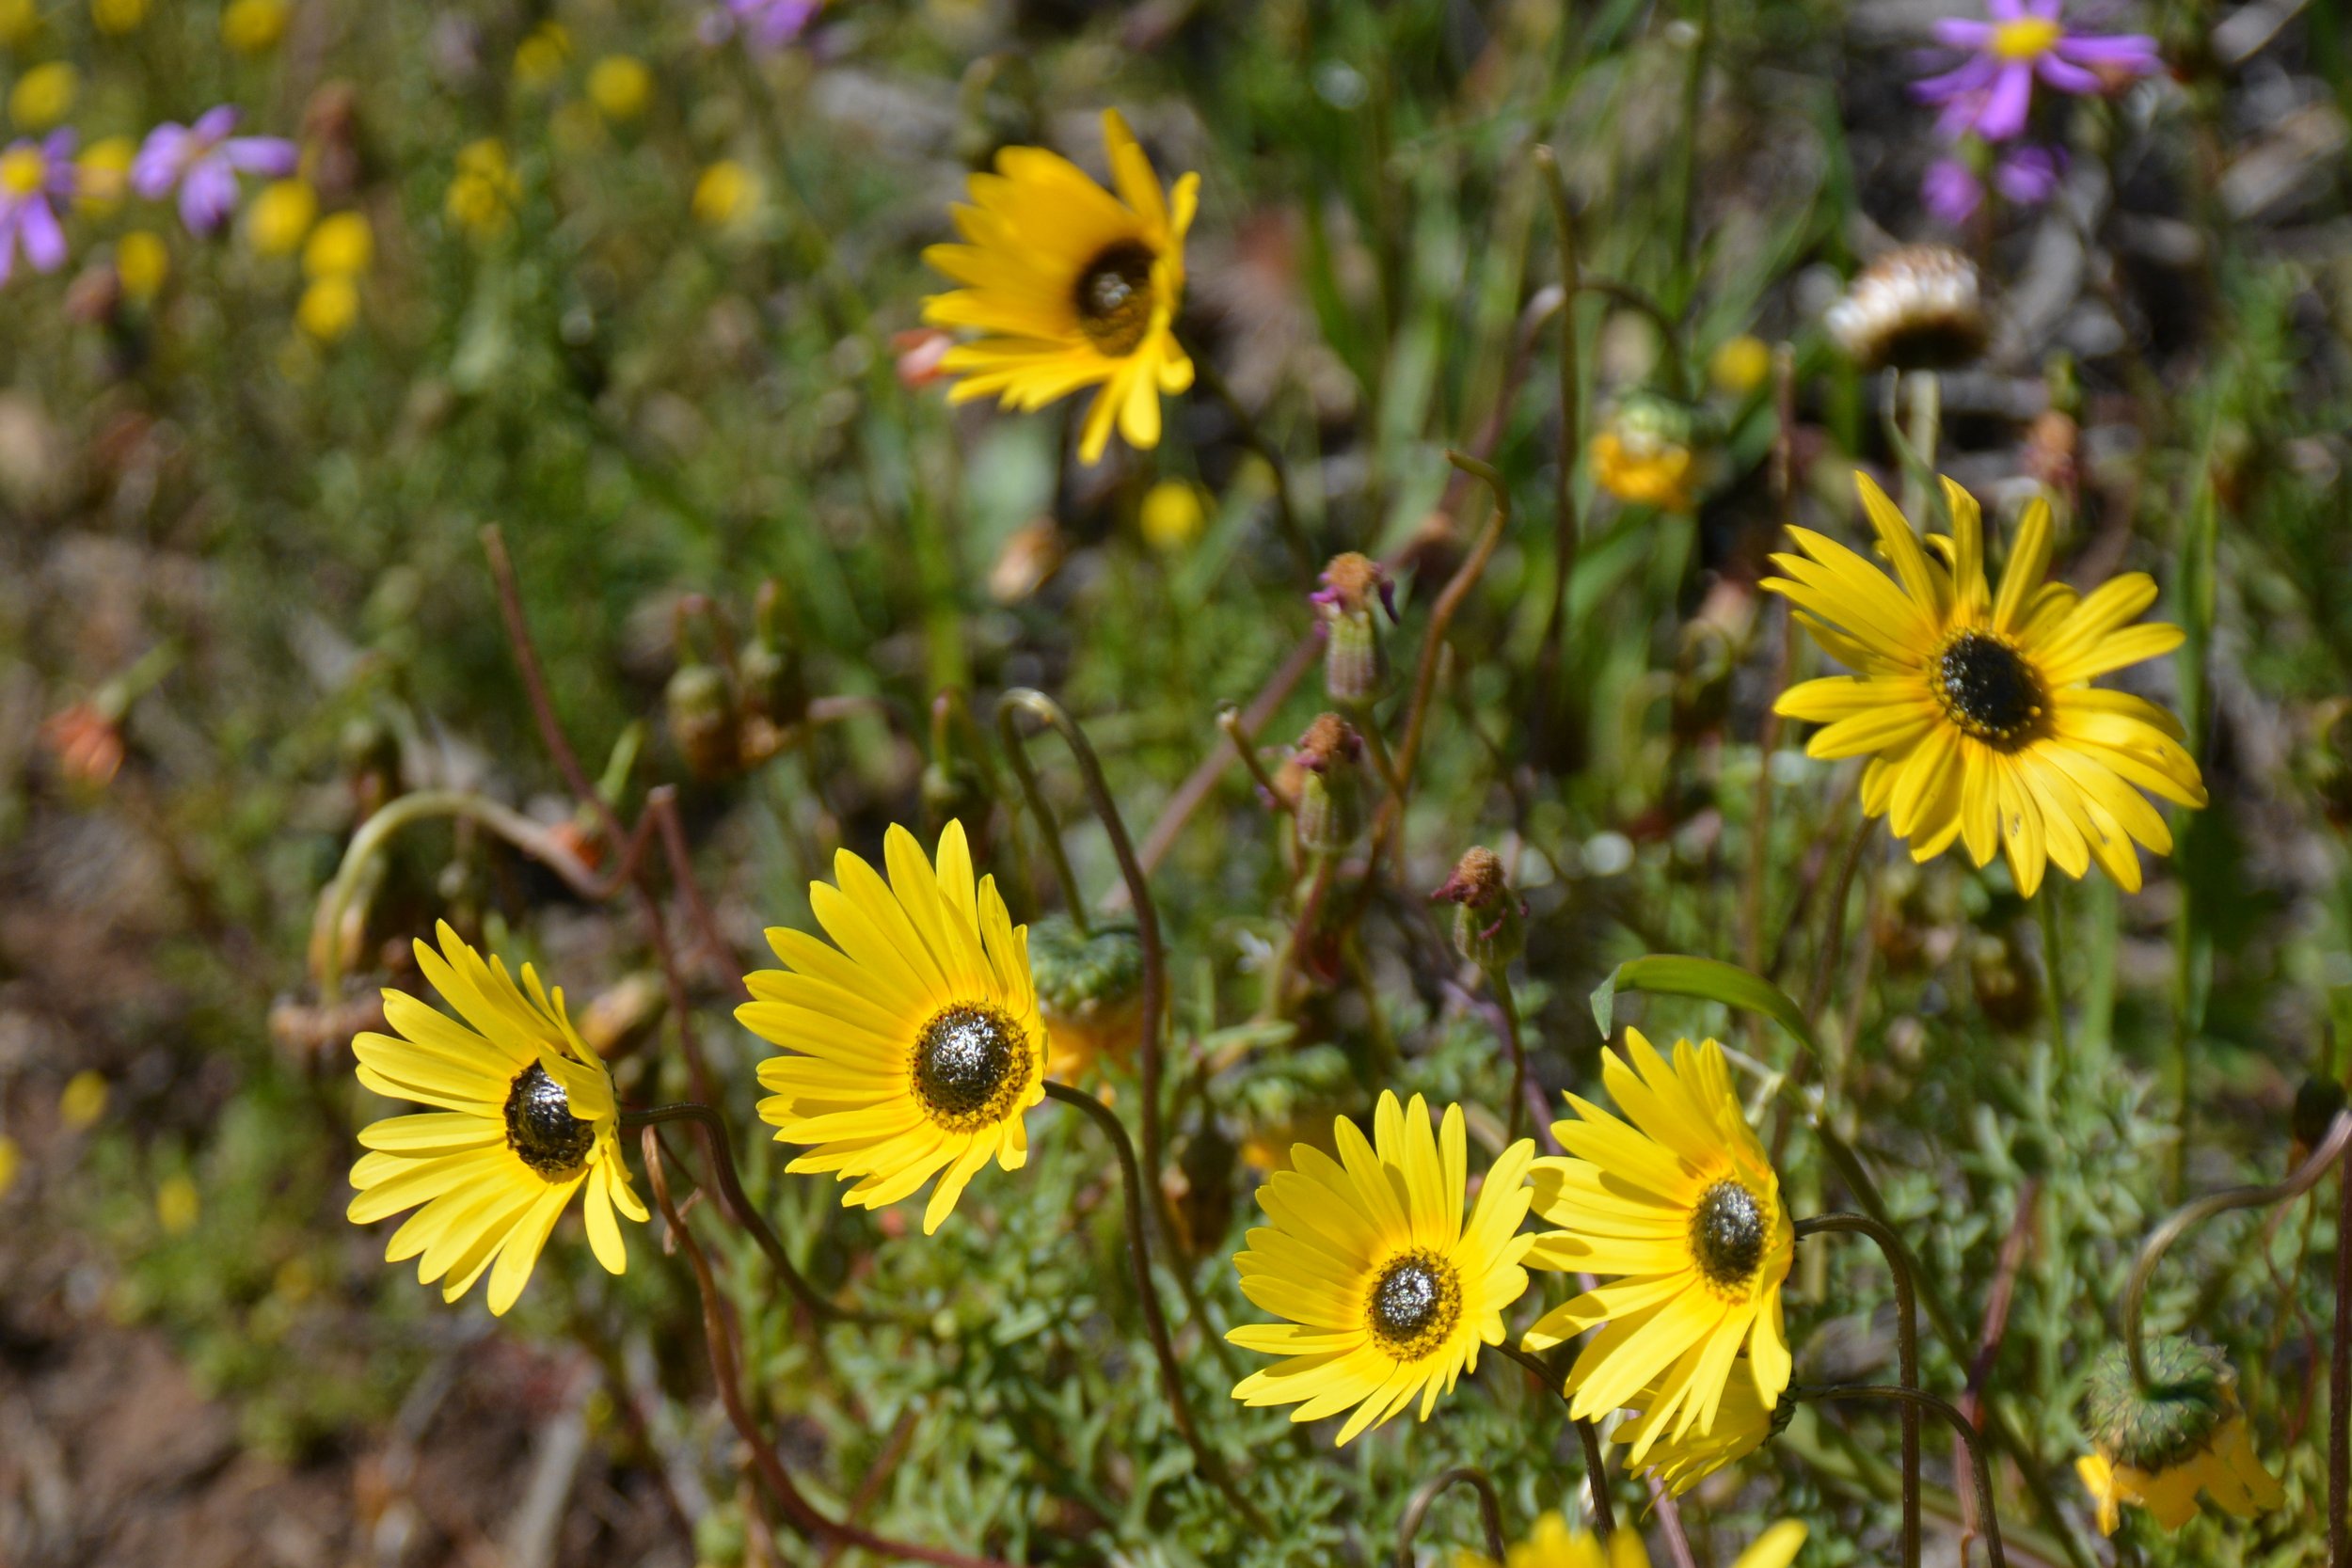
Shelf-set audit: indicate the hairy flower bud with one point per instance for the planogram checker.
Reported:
(1090, 989)
(1331, 757)
(1354, 665)
(2191, 1390)
(1489, 925)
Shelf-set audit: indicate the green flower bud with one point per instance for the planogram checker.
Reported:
(2191, 1390)
(1330, 758)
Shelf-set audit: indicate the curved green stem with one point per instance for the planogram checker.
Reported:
(1074, 898)
(1907, 1351)
(1417, 1508)
(1914, 1401)
(1595, 1472)
(1146, 1296)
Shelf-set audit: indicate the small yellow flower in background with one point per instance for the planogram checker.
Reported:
(525, 1119)
(1073, 287)
(724, 193)
(1740, 365)
(44, 95)
(102, 174)
(1646, 452)
(1090, 992)
(177, 1205)
(1684, 1207)
(539, 58)
(118, 16)
(12, 1161)
(1976, 707)
(328, 307)
(1552, 1544)
(482, 195)
(1172, 515)
(1387, 1293)
(343, 245)
(18, 21)
(912, 1049)
(2158, 1446)
(253, 26)
(142, 263)
(1741, 1425)
(83, 1099)
(620, 87)
(280, 217)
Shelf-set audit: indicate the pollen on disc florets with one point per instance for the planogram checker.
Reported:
(2191, 1390)
(1113, 297)
(1987, 686)
(1727, 1227)
(969, 1066)
(1414, 1303)
(541, 1129)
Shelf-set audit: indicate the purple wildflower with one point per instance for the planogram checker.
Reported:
(2027, 176)
(204, 161)
(1991, 92)
(34, 178)
(764, 23)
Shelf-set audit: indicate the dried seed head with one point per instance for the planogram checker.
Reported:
(1916, 307)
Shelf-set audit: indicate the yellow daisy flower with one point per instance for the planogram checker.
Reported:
(1741, 1425)
(2158, 1446)
(1685, 1206)
(916, 1045)
(525, 1119)
(1073, 286)
(1976, 707)
(1553, 1545)
(1389, 1293)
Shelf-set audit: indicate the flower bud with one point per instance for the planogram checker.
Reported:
(1089, 989)
(2191, 1390)
(1648, 451)
(702, 718)
(1331, 759)
(1490, 920)
(1354, 665)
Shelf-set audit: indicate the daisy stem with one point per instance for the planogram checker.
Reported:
(720, 1151)
(1913, 1401)
(1074, 901)
(1595, 1470)
(2182, 1220)
(1147, 1297)
(1489, 1510)
(1906, 1351)
(1510, 1009)
(794, 1503)
(1152, 1003)
(2053, 951)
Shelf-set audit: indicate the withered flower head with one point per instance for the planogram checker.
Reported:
(1917, 307)
(1354, 665)
(1489, 917)
(1331, 792)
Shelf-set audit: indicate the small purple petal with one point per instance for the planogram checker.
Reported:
(8, 245)
(2028, 174)
(1950, 192)
(2005, 105)
(1963, 32)
(215, 123)
(159, 159)
(45, 241)
(2067, 77)
(2049, 10)
(2133, 51)
(272, 156)
(1972, 77)
(2004, 10)
(207, 195)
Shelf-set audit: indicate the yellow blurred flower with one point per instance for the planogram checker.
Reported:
(280, 217)
(328, 307)
(1172, 515)
(482, 198)
(343, 245)
(102, 174)
(118, 16)
(177, 1205)
(251, 26)
(12, 1161)
(84, 1099)
(620, 87)
(539, 58)
(1740, 365)
(724, 193)
(18, 21)
(44, 95)
(142, 261)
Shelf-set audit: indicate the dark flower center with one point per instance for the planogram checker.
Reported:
(1727, 1234)
(1987, 687)
(1414, 1305)
(967, 1066)
(1114, 299)
(541, 1129)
